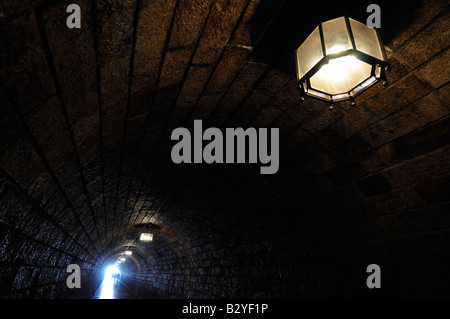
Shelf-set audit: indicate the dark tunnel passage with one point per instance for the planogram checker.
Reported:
(86, 117)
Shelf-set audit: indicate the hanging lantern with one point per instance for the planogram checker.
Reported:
(340, 59)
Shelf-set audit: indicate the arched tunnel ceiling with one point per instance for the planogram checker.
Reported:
(86, 116)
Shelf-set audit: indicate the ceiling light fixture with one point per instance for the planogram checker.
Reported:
(340, 59)
(128, 252)
(146, 237)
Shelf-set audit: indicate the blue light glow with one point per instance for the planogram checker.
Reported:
(110, 279)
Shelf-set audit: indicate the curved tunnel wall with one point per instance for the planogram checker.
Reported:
(86, 117)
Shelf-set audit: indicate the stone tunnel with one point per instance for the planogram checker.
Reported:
(86, 116)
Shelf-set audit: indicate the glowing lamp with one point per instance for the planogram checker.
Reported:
(146, 237)
(340, 59)
(128, 252)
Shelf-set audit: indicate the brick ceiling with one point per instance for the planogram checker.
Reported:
(86, 116)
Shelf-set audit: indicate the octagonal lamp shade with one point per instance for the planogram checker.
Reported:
(340, 59)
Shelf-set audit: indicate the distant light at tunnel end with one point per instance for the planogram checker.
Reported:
(112, 270)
